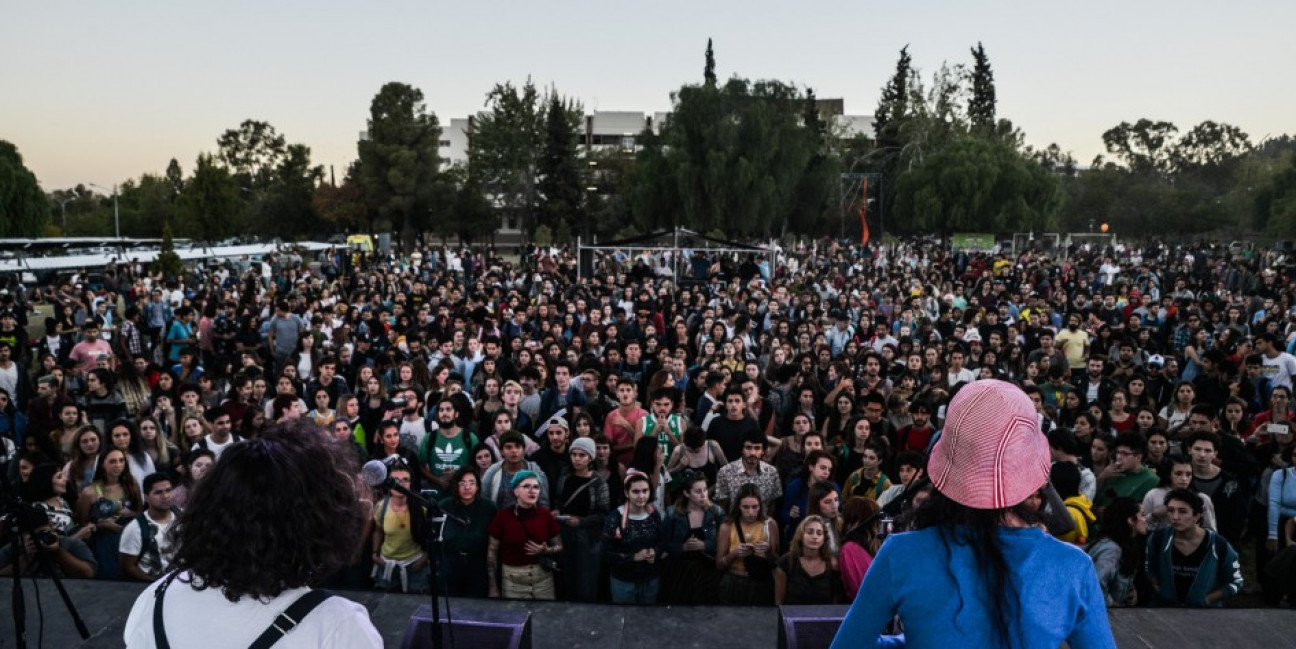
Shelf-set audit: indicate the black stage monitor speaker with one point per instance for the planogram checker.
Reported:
(808, 627)
(472, 629)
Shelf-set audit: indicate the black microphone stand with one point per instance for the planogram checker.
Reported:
(433, 532)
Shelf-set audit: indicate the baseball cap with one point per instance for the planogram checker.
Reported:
(1156, 360)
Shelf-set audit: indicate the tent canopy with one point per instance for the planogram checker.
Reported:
(673, 241)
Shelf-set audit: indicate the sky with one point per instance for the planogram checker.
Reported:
(100, 92)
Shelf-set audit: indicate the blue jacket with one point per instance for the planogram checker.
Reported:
(937, 589)
(676, 530)
(1282, 498)
(1219, 570)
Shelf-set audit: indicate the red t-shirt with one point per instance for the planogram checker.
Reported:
(912, 438)
(619, 436)
(513, 531)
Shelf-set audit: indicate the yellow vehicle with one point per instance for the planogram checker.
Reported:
(362, 243)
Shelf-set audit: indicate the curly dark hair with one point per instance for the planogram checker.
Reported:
(275, 513)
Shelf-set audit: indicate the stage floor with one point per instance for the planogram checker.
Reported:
(104, 607)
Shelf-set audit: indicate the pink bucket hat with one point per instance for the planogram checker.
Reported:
(991, 454)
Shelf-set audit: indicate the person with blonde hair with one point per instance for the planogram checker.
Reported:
(808, 574)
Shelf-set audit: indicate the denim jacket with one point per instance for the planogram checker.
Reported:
(677, 530)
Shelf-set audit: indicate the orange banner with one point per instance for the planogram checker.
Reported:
(864, 230)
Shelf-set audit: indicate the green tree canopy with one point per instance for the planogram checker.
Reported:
(561, 185)
(210, 203)
(979, 184)
(252, 152)
(731, 158)
(506, 147)
(24, 209)
(399, 159)
(981, 107)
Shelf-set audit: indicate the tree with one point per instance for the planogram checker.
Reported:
(1281, 199)
(1144, 146)
(399, 159)
(729, 158)
(894, 103)
(285, 208)
(1209, 144)
(505, 148)
(175, 177)
(560, 185)
(343, 207)
(168, 262)
(252, 152)
(812, 201)
(24, 208)
(708, 69)
(1054, 159)
(979, 185)
(981, 107)
(210, 203)
(146, 205)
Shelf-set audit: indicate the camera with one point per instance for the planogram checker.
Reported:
(44, 538)
(398, 402)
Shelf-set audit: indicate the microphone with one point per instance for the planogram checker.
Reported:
(374, 474)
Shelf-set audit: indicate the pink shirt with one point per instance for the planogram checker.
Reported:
(619, 435)
(855, 562)
(85, 354)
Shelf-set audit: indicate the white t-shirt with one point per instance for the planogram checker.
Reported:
(132, 543)
(204, 618)
(413, 432)
(215, 447)
(1279, 369)
(9, 380)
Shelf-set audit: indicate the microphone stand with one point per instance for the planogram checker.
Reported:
(434, 537)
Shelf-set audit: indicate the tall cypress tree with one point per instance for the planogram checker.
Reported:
(559, 184)
(981, 106)
(893, 105)
(708, 72)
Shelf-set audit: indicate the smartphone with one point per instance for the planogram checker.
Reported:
(1279, 430)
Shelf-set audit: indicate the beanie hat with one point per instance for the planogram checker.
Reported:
(522, 475)
(991, 454)
(584, 445)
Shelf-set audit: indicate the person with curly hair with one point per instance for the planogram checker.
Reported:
(273, 518)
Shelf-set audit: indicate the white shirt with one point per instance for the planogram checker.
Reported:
(414, 431)
(132, 543)
(215, 447)
(1279, 369)
(204, 618)
(9, 380)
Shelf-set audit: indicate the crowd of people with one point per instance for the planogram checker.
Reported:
(716, 429)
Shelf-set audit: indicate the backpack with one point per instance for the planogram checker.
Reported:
(148, 538)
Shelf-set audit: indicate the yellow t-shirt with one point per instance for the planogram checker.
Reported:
(1074, 344)
(398, 540)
